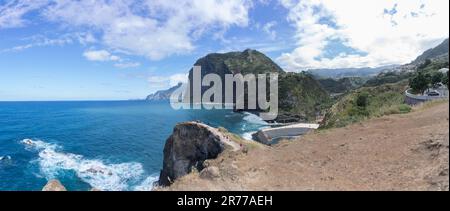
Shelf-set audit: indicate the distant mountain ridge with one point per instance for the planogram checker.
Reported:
(349, 72)
(342, 85)
(439, 51)
(163, 95)
(301, 97)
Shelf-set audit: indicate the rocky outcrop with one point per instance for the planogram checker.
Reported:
(300, 95)
(54, 185)
(187, 148)
(210, 173)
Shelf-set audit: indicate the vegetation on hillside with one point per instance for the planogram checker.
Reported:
(384, 94)
(386, 78)
(341, 85)
(428, 75)
(433, 65)
(445, 79)
(301, 94)
(436, 52)
(367, 102)
(246, 62)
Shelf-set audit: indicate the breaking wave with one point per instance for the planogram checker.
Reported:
(108, 177)
(248, 135)
(254, 119)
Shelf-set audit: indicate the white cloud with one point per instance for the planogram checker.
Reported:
(106, 56)
(178, 78)
(40, 41)
(394, 38)
(165, 82)
(151, 28)
(85, 38)
(12, 12)
(268, 29)
(127, 64)
(100, 55)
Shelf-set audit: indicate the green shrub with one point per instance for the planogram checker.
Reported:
(359, 105)
(445, 79)
(362, 100)
(403, 108)
(420, 82)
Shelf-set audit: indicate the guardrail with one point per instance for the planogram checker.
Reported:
(413, 99)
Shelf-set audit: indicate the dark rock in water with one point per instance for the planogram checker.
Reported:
(54, 185)
(262, 138)
(187, 148)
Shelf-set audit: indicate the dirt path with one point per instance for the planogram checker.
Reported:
(398, 152)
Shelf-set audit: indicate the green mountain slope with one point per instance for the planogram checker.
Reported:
(301, 97)
(438, 51)
(248, 61)
(367, 102)
(341, 85)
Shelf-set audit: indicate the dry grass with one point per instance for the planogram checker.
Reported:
(250, 145)
(396, 152)
(429, 104)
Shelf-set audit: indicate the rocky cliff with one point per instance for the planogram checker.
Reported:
(187, 148)
(301, 97)
(406, 152)
(163, 95)
(246, 62)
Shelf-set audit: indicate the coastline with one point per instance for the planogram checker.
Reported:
(342, 159)
(327, 161)
(79, 156)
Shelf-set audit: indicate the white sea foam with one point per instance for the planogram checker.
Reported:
(5, 158)
(254, 119)
(249, 135)
(38, 144)
(147, 184)
(108, 177)
(255, 122)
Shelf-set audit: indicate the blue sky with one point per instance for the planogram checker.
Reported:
(121, 49)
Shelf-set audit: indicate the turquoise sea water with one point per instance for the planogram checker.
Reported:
(113, 145)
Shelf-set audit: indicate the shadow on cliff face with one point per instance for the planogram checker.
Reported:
(187, 148)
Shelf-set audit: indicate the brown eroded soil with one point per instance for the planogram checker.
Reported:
(397, 152)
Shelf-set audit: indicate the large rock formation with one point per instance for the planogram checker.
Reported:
(300, 94)
(301, 97)
(187, 148)
(54, 185)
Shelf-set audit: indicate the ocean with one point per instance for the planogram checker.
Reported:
(113, 145)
